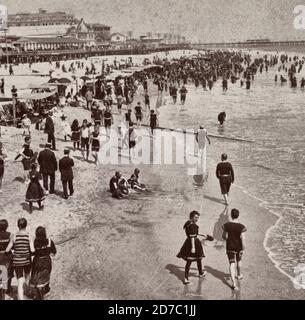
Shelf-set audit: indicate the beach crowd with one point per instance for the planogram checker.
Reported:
(103, 99)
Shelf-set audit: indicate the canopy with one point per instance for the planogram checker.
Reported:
(36, 95)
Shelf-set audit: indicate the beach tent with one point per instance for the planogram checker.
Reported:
(36, 95)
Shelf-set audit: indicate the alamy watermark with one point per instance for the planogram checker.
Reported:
(299, 279)
(160, 147)
(3, 18)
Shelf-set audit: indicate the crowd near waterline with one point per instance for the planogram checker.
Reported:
(129, 99)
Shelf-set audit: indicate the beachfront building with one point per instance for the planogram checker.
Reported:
(40, 24)
(101, 32)
(92, 34)
(118, 38)
(150, 42)
(48, 44)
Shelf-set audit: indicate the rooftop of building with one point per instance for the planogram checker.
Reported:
(49, 40)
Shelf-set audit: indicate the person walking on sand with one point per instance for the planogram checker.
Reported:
(225, 174)
(234, 234)
(192, 249)
(2, 159)
(22, 245)
(26, 125)
(153, 121)
(138, 114)
(6, 258)
(42, 263)
(95, 143)
(28, 157)
(50, 130)
(89, 99)
(65, 167)
(75, 134)
(108, 120)
(48, 166)
(85, 137)
(34, 191)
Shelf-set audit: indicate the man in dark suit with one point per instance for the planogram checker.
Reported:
(48, 165)
(49, 130)
(65, 167)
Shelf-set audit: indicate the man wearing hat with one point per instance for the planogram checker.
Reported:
(49, 129)
(65, 167)
(48, 166)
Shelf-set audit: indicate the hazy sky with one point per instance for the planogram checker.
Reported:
(208, 20)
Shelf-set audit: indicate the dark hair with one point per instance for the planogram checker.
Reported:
(66, 151)
(41, 238)
(224, 157)
(193, 214)
(234, 214)
(75, 125)
(3, 225)
(22, 223)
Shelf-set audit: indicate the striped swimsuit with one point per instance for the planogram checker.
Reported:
(22, 256)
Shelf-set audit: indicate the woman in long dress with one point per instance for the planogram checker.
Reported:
(42, 263)
(34, 192)
(192, 250)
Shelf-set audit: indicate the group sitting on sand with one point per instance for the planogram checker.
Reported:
(120, 187)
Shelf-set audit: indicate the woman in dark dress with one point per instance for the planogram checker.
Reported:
(34, 192)
(42, 263)
(28, 157)
(75, 137)
(192, 248)
(6, 258)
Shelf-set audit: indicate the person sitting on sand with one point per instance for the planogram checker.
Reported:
(124, 186)
(114, 186)
(233, 233)
(135, 183)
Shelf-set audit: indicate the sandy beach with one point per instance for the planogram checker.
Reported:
(126, 249)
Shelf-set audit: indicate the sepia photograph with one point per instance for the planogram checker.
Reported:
(152, 150)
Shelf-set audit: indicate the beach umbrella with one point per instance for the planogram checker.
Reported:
(86, 78)
(53, 80)
(64, 80)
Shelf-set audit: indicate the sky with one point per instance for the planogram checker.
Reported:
(198, 20)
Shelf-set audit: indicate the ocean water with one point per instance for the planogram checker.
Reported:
(271, 169)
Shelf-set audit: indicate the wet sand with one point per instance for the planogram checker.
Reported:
(126, 249)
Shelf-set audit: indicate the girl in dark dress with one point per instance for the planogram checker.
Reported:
(34, 192)
(27, 155)
(192, 248)
(6, 258)
(42, 263)
(75, 137)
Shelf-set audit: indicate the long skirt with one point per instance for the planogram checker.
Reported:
(185, 251)
(41, 271)
(34, 192)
